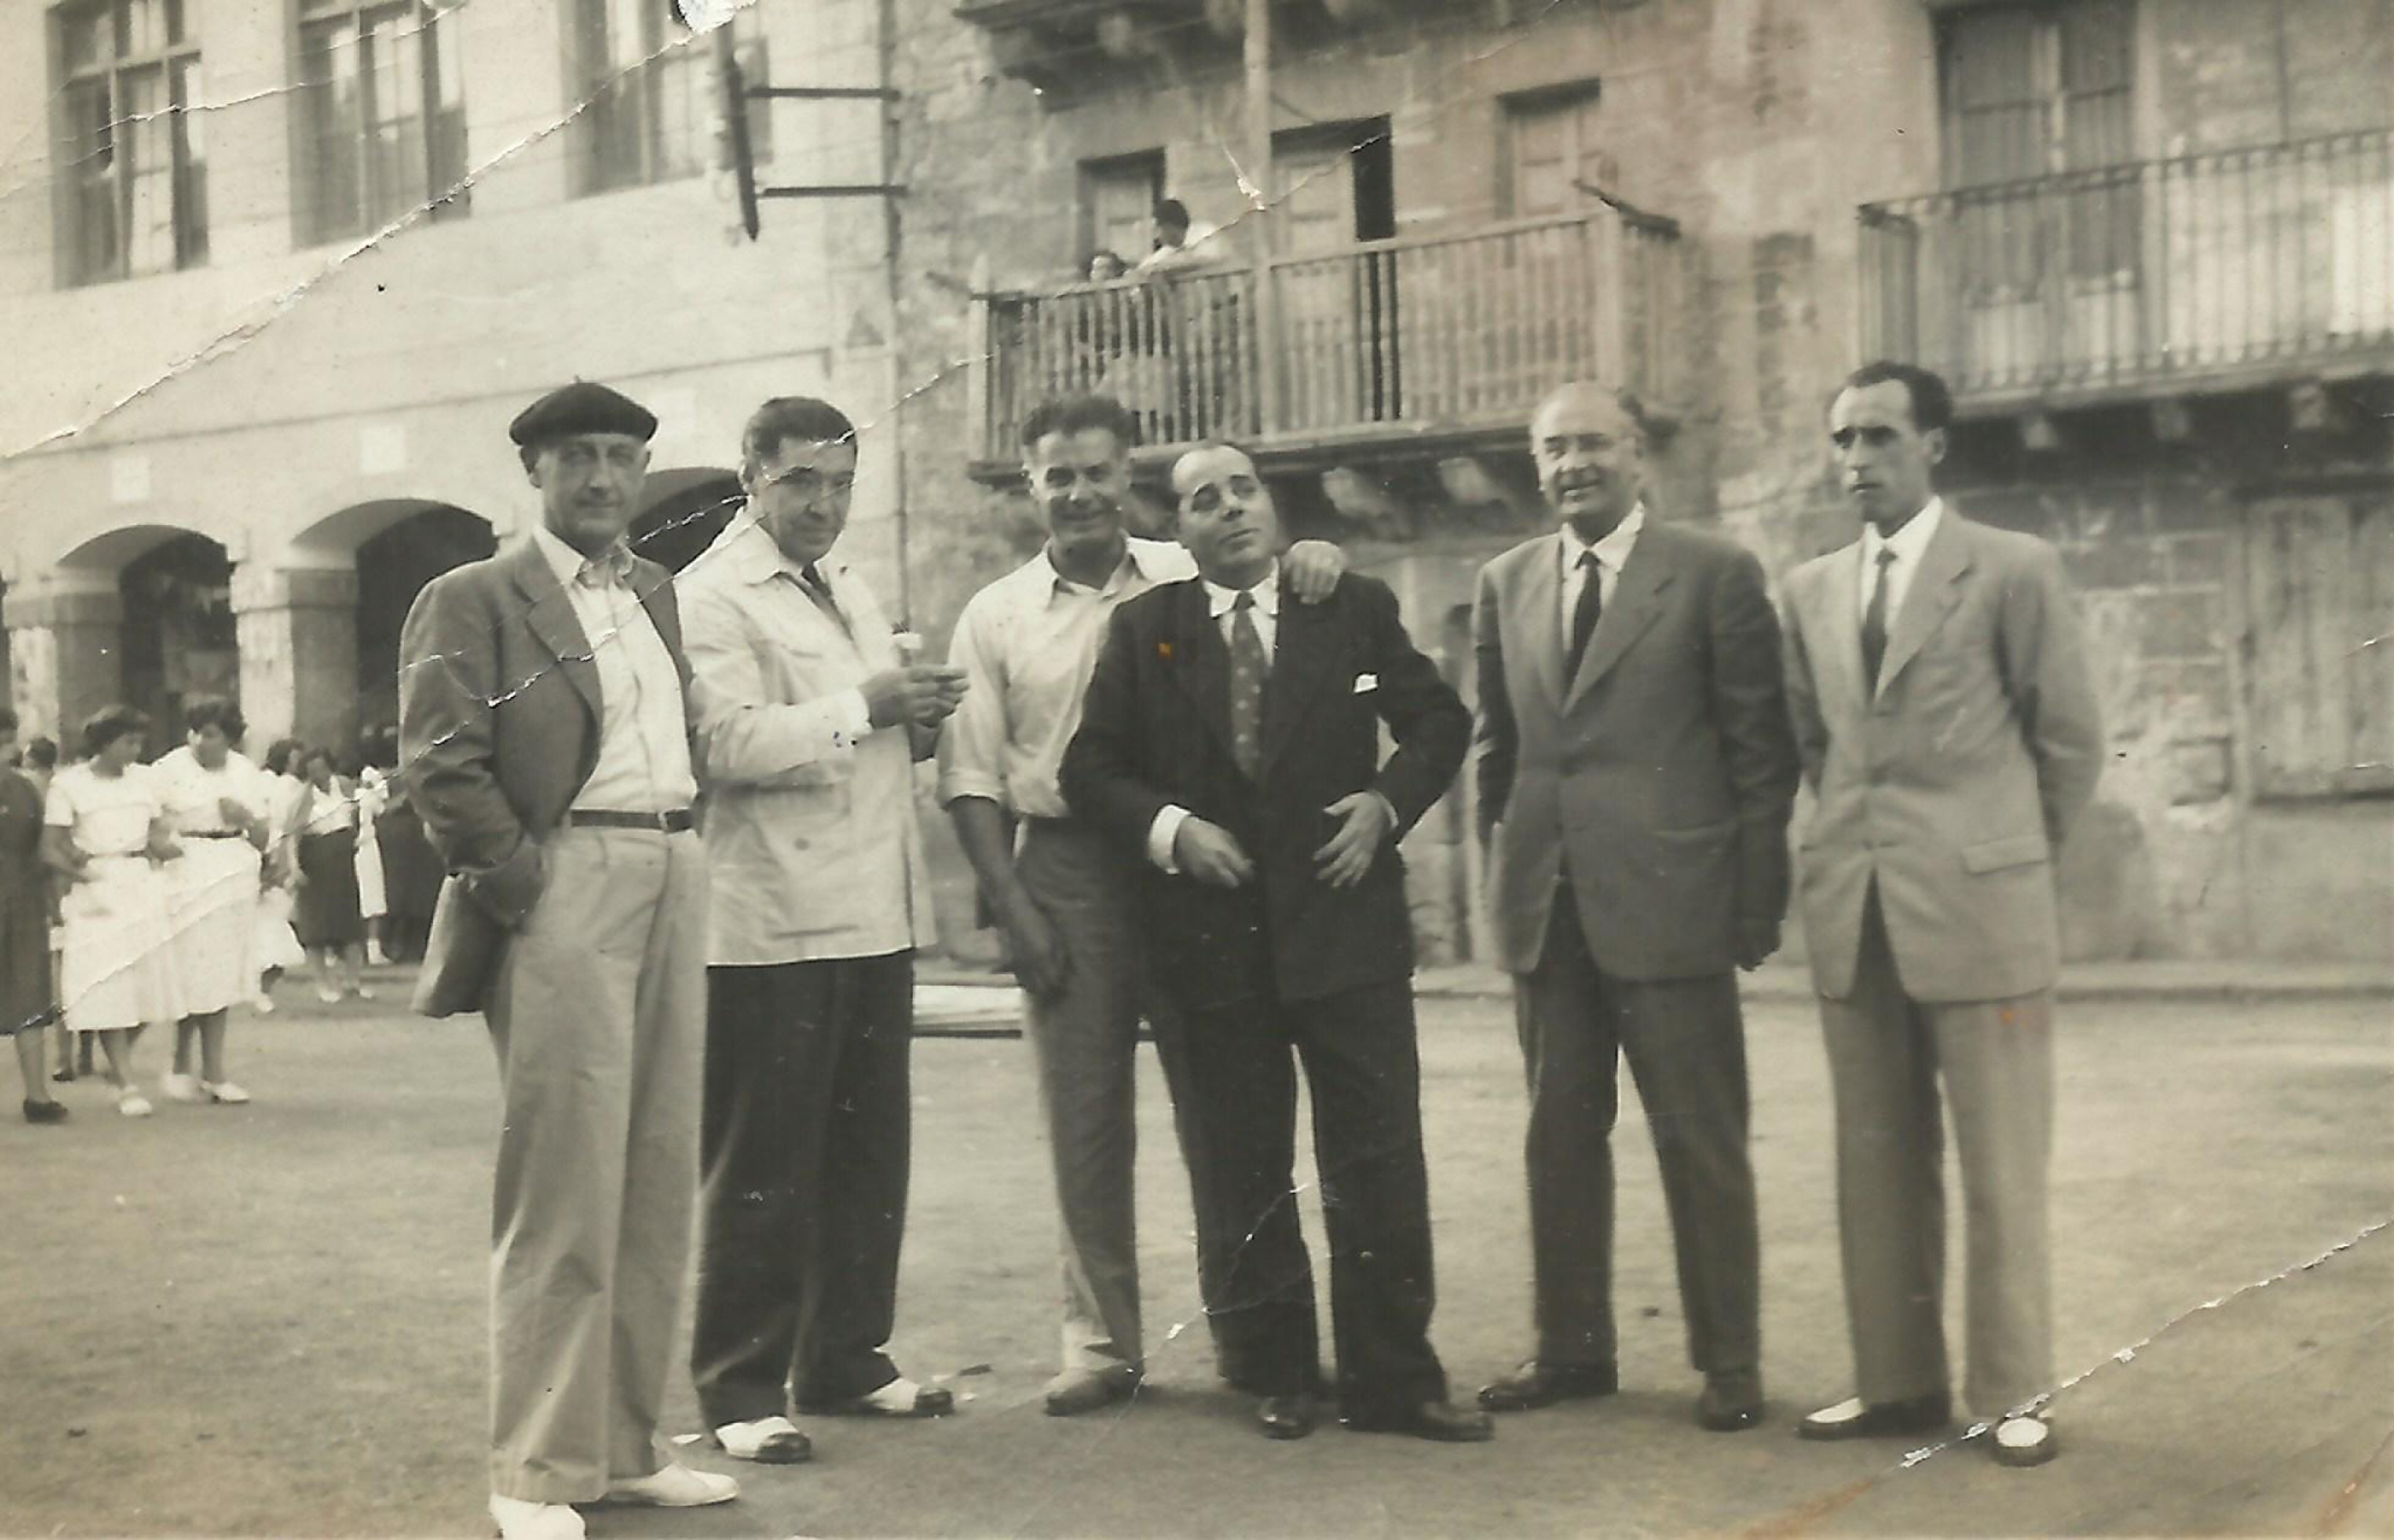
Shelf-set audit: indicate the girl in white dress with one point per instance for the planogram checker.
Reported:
(374, 903)
(217, 800)
(106, 829)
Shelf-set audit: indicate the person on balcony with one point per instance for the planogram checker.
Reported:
(1948, 721)
(1177, 247)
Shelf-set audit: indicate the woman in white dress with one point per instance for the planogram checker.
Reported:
(278, 948)
(374, 901)
(216, 799)
(106, 829)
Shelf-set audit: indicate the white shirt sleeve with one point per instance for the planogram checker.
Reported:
(1161, 834)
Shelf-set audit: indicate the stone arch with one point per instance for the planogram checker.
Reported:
(681, 512)
(178, 638)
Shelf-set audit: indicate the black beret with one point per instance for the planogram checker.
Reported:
(582, 408)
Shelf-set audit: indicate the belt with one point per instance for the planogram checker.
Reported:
(673, 821)
(213, 834)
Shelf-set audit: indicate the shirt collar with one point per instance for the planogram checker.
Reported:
(1613, 550)
(1218, 599)
(756, 557)
(563, 559)
(1910, 542)
(1125, 570)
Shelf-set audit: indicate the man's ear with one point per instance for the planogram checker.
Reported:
(1933, 444)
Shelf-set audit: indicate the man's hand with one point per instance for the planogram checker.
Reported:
(1042, 963)
(1314, 568)
(1207, 853)
(1756, 939)
(513, 889)
(1363, 823)
(920, 694)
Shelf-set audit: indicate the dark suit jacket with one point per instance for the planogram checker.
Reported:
(1664, 772)
(1156, 730)
(499, 728)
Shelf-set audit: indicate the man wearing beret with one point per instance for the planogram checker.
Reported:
(545, 711)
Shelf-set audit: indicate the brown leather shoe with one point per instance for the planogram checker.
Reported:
(1284, 1416)
(1535, 1385)
(1439, 1421)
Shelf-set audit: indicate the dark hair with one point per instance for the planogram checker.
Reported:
(1105, 254)
(1631, 405)
(214, 711)
(1171, 213)
(1078, 414)
(278, 756)
(42, 753)
(784, 419)
(106, 724)
(310, 756)
(1932, 400)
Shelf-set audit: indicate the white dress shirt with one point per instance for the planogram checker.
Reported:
(1027, 643)
(1611, 556)
(644, 729)
(1909, 543)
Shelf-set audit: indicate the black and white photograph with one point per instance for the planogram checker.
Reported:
(1197, 769)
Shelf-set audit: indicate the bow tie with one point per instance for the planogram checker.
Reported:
(609, 568)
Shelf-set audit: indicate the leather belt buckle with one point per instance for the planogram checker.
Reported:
(675, 820)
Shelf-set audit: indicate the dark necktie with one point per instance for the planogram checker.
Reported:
(820, 591)
(1584, 613)
(1874, 620)
(1246, 688)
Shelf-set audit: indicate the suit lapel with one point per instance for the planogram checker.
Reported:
(1637, 599)
(1305, 655)
(1935, 591)
(553, 623)
(1539, 598)
(1833, 602)
(1200, 663)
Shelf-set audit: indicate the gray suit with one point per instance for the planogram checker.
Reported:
(1927, 892)
(1634, 812)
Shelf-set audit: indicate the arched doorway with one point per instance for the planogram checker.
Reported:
(178, 636)
(685, 510)
(393, 566)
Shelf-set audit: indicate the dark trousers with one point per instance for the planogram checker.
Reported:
(1238, 1121)
(805, 1148)
(1684, 1041)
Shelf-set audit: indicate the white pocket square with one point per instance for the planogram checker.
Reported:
(1365, 683)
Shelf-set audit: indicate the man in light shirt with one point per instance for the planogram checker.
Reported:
(1946, 717)
(812, 720)
(1063, 899)
(543, 727)
(1635, 776)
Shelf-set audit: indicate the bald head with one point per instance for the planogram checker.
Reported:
(1589, 444)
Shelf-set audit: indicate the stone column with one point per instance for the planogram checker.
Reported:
(65, 652)
(298, 630)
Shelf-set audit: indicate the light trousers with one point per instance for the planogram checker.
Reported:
(1887, 1055)
(598, 1017)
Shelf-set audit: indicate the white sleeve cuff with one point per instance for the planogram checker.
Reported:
(1161, 835)
(852, 718)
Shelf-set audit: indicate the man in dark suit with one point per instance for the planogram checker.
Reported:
(1636, 773)
(545, 716)
(1233, 738)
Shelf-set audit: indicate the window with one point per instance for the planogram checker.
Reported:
(1556, 151)
(651, 85)
(2034, 91)
(134, 193)
(1118, 198)
(383, 110)
(2319, 587)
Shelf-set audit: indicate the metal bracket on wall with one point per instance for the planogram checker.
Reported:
(738, 93)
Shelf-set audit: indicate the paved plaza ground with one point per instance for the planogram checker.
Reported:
(270, 1319)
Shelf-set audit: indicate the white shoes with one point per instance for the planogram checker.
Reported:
(263, 1003)
(132, 1104)
(224, 1092)
(518, 1520)
(676, 1486)
(2024, 1440)
(181, 1088)
(767, 1441)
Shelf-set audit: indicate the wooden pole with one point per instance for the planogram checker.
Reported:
(1258, 55)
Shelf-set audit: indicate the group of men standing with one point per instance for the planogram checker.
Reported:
(1163, 761)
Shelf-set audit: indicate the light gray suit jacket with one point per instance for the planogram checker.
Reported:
(1952, 786)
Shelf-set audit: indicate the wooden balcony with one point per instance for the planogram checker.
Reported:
(2221, 271)
(1427, 341)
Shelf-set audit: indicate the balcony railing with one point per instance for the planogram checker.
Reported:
(2221, 268)
(1439, 335)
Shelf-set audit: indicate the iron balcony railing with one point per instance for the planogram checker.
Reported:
(2221, 267)
(1387, 338)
